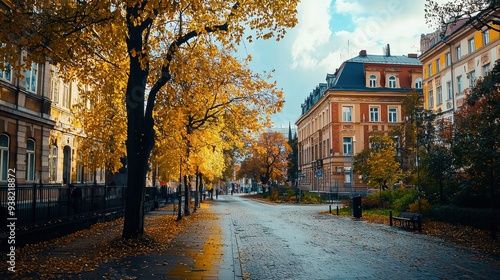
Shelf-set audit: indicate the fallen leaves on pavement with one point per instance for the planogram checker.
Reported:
(86, 249)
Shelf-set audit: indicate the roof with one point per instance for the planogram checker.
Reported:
(384, 59)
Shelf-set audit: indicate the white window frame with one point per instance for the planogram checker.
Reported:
(66, 96)
(392, 81)
(430, 98)
(449, 90)
(438, 65)
(347, 113)
(348, 147)
(4, 158)
(32, 77)
(447, 58)
(472, 46)
(30, 160)
(392, 115)
(486, 69)
(459, 84)
(458, 52)
(418, 83)
(472, 78)
(439, 95)
(373, 81)
(486, 37)
(374, 114)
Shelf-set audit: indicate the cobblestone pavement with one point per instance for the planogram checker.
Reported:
(277, 241)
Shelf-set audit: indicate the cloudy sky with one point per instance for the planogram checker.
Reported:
(330, 32)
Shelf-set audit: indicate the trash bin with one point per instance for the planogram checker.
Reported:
(356, 207)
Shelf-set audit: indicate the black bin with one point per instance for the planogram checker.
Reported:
(356, 207)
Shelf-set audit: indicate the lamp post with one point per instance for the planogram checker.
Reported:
(352, 165)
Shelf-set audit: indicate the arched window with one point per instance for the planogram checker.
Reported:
(418, 83)
(53, 163)
(373, 81)
(4, 156)
(392, 82)
(30, 160)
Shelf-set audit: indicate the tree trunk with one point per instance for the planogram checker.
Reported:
(196, 196)
(187, 197)
(140, 136)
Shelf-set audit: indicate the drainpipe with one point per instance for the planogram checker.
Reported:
(452, 81)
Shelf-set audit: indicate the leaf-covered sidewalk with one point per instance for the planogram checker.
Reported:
(90, 249)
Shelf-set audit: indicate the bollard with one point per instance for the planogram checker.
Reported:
(330, 209)
(390, 218)
(337, 210)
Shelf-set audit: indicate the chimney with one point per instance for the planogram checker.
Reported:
(412, 55)
(388, 50)
(362, 53)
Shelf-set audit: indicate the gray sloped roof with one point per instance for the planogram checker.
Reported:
(398, 59)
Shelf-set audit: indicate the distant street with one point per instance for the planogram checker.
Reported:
(276, 241)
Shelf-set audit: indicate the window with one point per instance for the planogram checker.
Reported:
(393, 115)
(430, 98)
(447, 58)
(347, 113)
(418, 83)
(472, 78)
(54, 89)
(66, 96)
(31, 76)
(30, 160)
(438, 65)
(374, 116)
(373, 81)
(4, 157)
(5, 73)
(472, 46)
(392, 82)
(439, 95)
(348, 146)
(459, 84)
(449, 89)
(53, 163)
(429, 70)
(486, 37)
(486, 70)
(458, 53)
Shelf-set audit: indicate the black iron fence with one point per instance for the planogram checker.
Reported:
(38, 205)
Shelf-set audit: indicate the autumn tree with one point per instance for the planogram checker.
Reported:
(239, 102)
(484, 13)
(75, 34)
(267, 159)
(476, 144)
(377, 164)
(293, 157)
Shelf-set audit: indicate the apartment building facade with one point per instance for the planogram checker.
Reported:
(25, 123)
(362, 97)
(453, 60)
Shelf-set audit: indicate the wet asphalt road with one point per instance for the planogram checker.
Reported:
(278, 241)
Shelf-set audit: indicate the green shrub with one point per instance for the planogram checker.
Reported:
(309, 198)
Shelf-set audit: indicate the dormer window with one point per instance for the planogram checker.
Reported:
(373, 81)
(392, 82)
(418, 83)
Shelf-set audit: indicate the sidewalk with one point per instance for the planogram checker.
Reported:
(202, 250)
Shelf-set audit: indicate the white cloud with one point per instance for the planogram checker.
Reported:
(313, 31)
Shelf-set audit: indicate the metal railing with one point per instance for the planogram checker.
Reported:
(38, 205)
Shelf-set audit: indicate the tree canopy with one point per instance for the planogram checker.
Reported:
(151, 36)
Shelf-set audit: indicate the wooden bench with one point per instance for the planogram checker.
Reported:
(410, 220)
